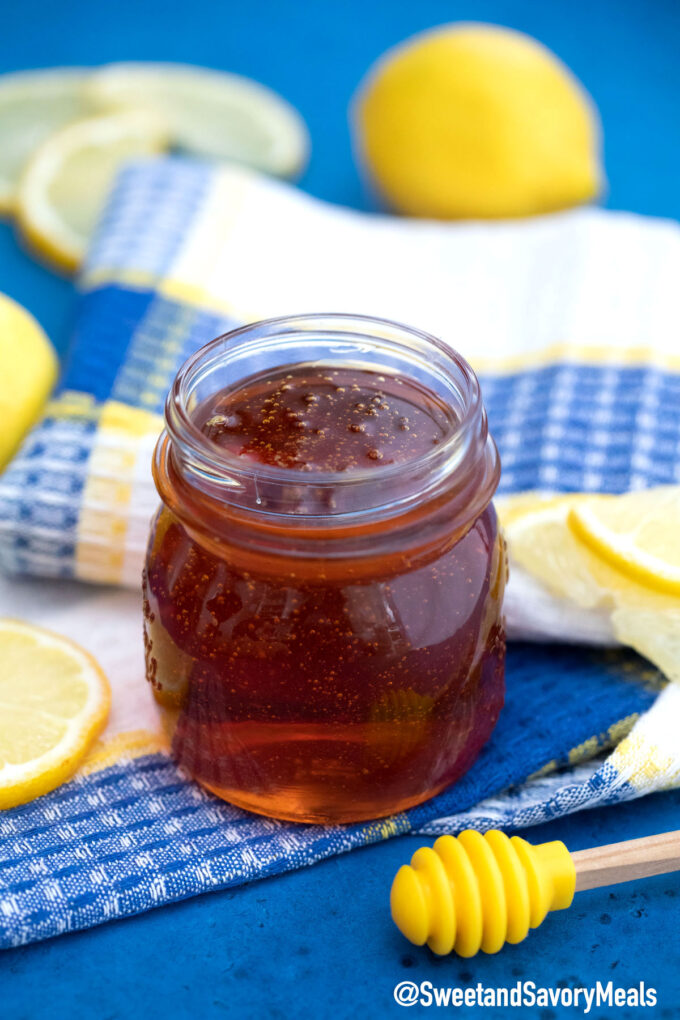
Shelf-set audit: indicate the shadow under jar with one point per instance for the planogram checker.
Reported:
(324, 579)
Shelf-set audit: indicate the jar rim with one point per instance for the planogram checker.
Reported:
(212, 461)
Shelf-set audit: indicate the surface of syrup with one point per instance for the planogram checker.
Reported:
(319, 420)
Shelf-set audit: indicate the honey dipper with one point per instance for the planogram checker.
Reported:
(474, 891)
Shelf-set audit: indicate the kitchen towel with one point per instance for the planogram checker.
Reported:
(130, 832)
(569, 321)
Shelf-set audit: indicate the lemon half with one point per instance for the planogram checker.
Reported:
(54, 700)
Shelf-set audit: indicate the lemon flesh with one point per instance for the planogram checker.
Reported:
(638, 534)
(543, 541)
(477, 121)
(66, 182)
(28, 370)
(33, 105)
(210, 114)
(54, 700)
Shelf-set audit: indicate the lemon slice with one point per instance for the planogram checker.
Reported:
(211, 114)
(543, 542)
(66, 182)
(540, 541)
(33, 105)
(638, 533)
(28, 369)
(54, 700)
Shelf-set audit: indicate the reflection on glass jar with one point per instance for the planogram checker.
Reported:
(324, 580)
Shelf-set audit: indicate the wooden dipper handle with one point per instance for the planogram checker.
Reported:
(622, 862)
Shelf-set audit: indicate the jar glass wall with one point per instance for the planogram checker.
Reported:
(324, 579)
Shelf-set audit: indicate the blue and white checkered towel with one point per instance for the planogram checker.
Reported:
(569, 320)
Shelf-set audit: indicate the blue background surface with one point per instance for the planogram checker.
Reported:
(319, 942)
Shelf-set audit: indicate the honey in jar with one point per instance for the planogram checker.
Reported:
(324, 579)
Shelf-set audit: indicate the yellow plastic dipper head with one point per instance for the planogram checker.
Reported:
(476, 891)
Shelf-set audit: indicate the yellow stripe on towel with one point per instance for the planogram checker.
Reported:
(120, 458)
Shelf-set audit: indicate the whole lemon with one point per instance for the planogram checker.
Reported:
(477, 121)
(28, 369)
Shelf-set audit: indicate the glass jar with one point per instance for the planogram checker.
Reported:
(325, 640)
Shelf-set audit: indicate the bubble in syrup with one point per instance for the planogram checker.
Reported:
(224, 421)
